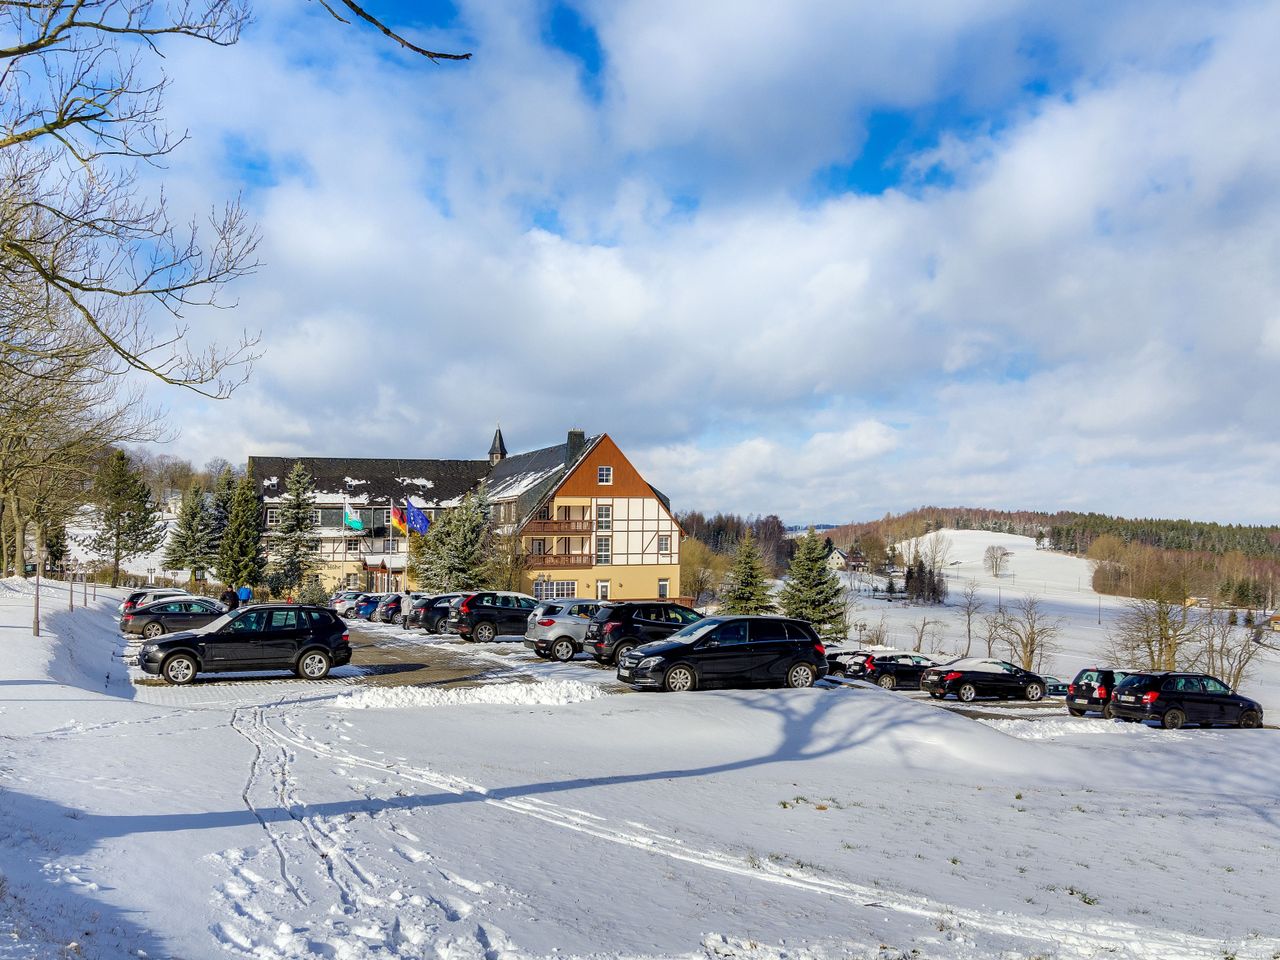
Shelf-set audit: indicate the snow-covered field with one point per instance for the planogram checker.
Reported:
(549, 814)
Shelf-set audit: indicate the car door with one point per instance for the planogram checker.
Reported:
(910, 668)
(648, 623)
(236, 643)
(1221, 705)
(279, 642)
(199, 614)
(173, 615)
(520, 614)
(769, 652)
(719, 656)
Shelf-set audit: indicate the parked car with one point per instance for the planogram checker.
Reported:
(1054, 686)
(619, 627)
(364, 607)
(343, 597)
(852, 663)
(1176, 699)
(556, 629)
(722, 651)
(140, 598)
(388, 609)
(979, 677)
(1093, 689)
(892, 670)
(171, 616)
(432, 613)
(307, 640)
(484, 616)
(346, 607)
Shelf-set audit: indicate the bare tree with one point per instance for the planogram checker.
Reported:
(876, 635)
(970, 607)
(993, 628)
(1029, 631)
(1227, 651)
(995, 559)
(936, 551)
(1155, 634)
(926, 629)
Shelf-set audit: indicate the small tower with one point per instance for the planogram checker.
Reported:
(498, 449)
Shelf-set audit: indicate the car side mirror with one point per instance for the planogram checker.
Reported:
(709, 643)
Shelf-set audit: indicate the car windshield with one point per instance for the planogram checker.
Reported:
(1134, 680)
(695, 630)
(215, 625)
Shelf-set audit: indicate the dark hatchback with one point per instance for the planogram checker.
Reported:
(728, 651)
(431, 613)
(1092, 690)
(484, 616)
(972, 678)
(306, 640)
(895, 669)
(1175, 700)
(171, 616)
(618, 628)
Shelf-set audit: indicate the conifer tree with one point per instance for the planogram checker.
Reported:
(456, 551)
(240, 559)
(295, 548)
(224, 489)
(746, 590)
(191, 545)
(813, 591)
(126, 520)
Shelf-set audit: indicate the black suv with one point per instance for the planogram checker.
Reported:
(890, 670)
(483, 616)
(431, 613)
(754, 651)
(1092, 689)
(619, 627)
(306, 640)
(1176, 699)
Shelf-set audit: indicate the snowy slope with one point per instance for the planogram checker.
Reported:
(809, 824)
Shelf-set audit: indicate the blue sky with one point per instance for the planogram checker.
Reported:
(820, 259)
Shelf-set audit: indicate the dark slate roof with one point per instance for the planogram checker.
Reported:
(529, 477)
(371, 481)
(497, 448)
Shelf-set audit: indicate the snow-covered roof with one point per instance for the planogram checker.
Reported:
(372, 482)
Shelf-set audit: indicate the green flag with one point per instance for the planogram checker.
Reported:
(350, 518)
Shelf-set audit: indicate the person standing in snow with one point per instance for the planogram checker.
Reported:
(246, 593)
(229, 599)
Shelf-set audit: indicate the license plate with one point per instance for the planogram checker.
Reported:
(624, 673)
(1129, 699)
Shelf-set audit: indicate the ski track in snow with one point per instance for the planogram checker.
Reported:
(1062, 938)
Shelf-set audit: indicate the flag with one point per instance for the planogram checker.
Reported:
(418, 521)
(350, 518)
(397, 520)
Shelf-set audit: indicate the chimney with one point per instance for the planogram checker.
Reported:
(574, 446)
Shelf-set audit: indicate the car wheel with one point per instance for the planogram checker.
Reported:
(621, 650)
(1108, 711)
(314, 665)
(967, 692)
(402, 620)
(153, 630)
(886, 682)
(679, 679)
(179, 669)
(1075, 711)
(1249, 720)
(1173, 719)
(484, 632)
(800, 675)
(1035, 691)
(562, 650)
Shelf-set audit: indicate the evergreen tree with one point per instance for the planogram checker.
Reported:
(240, 559)
(813, 591)
(224, 490)
(746, 590)
(456, 551)
(126, 520)
(190, 545)
(295, 548)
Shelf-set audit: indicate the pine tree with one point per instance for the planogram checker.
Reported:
(191, 545)
(813, 591)
(295, 548)
(746, 590)
(224, 489)
(240, 559)
(456, 551)
(126, 521)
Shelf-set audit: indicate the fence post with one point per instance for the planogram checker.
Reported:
(35, 615)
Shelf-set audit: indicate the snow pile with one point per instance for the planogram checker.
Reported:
(1069, 727)
(553, 692)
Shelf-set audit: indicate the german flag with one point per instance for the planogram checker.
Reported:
(398, 520)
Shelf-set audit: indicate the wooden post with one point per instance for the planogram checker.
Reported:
(71, 588)
(35, 615)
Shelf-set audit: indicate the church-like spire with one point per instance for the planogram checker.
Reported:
(498, 449)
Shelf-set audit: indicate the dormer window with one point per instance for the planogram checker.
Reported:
(604, 475)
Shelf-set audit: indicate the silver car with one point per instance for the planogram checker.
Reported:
(557, 627)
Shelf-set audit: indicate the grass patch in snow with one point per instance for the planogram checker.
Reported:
(550, 692)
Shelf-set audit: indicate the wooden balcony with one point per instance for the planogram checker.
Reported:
(579, 528)
(559, 561)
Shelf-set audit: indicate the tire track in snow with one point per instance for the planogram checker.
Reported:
(1082, 939)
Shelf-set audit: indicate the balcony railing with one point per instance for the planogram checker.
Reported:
(557, 561)
(582, 528)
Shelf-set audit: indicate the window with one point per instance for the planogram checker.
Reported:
(273, 517)
(353, 545)
(731, 634)
(353, 581)
(538, 547)
(602, 589)
(604, 475)
(524, 603)
(603, 550)
(555, 589)
(764, 631)
(284, 620)
(1212, 685)
(544, 512)
(604, 517)
(315, 517)
(664, 589)
(664, 544)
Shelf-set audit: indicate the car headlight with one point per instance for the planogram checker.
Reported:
(648, 662)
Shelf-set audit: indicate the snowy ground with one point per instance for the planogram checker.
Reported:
(548, 813)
